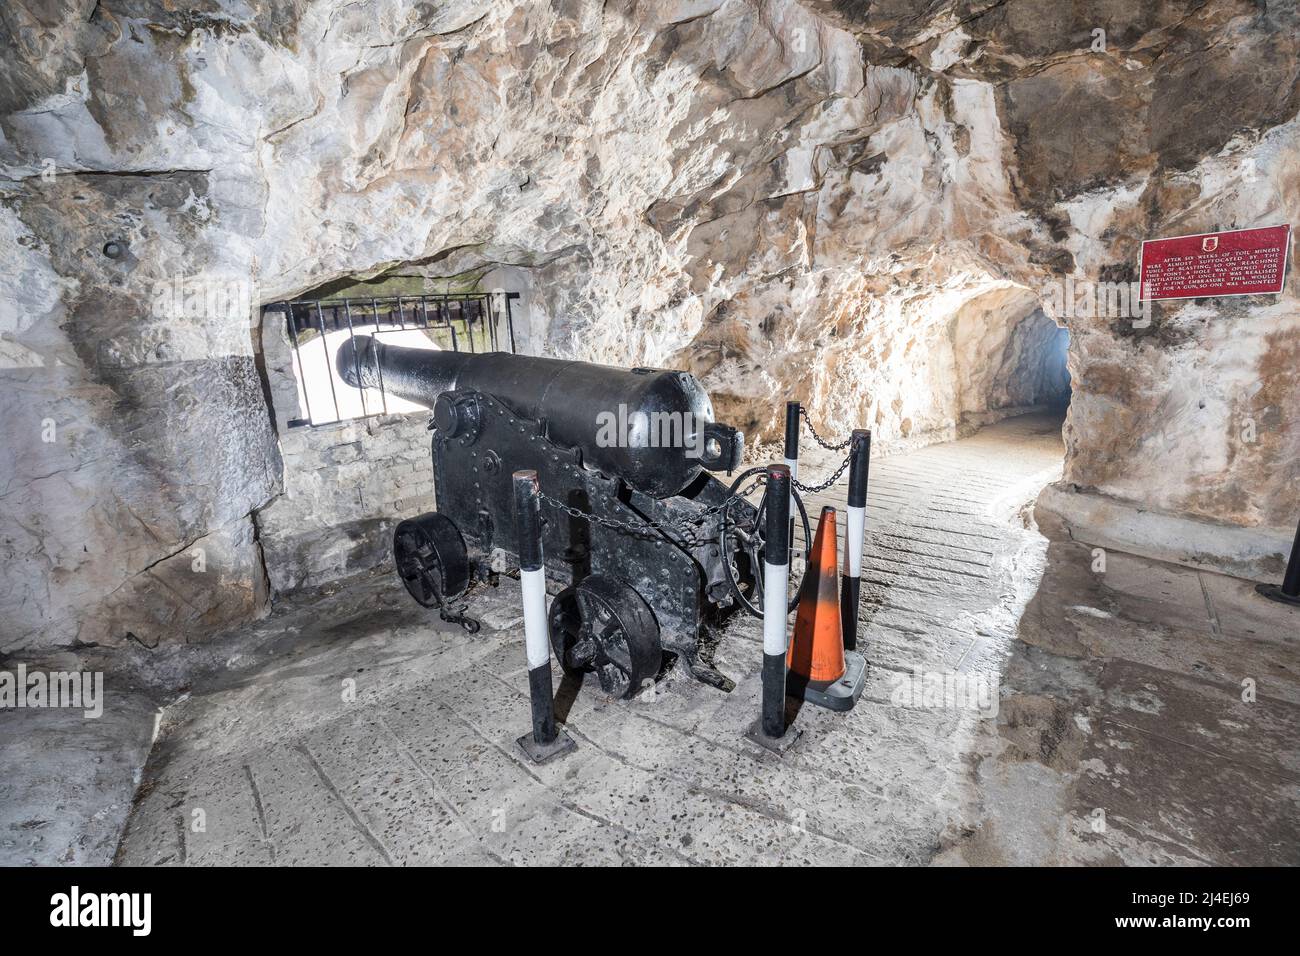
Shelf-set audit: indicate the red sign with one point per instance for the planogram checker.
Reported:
(1241, 262)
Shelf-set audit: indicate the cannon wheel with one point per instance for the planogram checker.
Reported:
(747, 538)
(431, 559)
(603, 625)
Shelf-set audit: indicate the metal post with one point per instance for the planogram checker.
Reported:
(851, 582)
(469, 326)
(770, 731)
(510, 320)
(302, 371)
(329, 365)
(1289, 592)
(792, 446)
(490, 320)
(547, 739)
(356, 358)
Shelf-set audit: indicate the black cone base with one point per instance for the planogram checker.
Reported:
(840, 695)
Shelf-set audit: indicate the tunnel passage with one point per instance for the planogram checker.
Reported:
(919, 362)
(1009, 359)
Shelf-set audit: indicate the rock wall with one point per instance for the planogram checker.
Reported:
(849, 204)
(1119, 123)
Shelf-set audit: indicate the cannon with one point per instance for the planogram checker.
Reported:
(650, 552)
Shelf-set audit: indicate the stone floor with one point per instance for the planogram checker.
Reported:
(1150, 715)
(67, 782)
(1030, 701)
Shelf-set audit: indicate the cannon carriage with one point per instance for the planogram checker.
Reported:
(650, 551)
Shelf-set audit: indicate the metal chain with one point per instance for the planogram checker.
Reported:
(708, 513)
(840, 446)
(687, 532)
(814, 489)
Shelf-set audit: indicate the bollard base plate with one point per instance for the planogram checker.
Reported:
(541, 753)
(778, 745)
(1274, 592)
(840, 695)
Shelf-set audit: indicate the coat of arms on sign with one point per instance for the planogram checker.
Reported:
(1210, 244)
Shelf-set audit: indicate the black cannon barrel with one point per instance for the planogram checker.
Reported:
(652, 427)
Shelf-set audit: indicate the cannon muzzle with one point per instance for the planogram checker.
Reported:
(653, 428)
(418, 375)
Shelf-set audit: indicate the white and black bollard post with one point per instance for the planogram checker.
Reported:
(851, 580)
(770, 730)
(547, 740)
(792, 439)
(792, 455)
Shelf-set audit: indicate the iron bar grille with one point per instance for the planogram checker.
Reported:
(317, 328)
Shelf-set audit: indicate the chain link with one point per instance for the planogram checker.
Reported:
(839, 446)
(814, 489)
(688, 532)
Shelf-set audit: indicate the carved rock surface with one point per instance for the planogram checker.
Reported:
(860, 205)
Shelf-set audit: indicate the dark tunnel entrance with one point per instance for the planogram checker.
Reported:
(1009, 359)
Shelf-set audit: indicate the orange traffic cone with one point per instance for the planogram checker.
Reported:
(820, 670)
(817, 650)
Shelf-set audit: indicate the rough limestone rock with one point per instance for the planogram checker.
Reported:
(860, 205)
